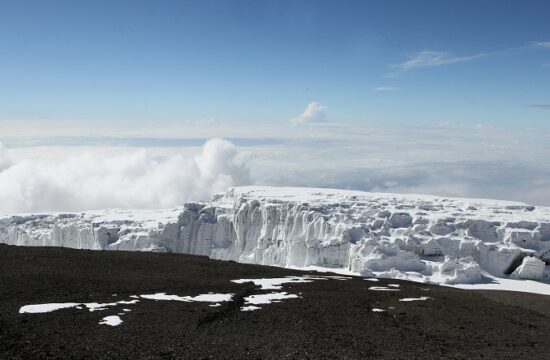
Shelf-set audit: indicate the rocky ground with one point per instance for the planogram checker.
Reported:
(331, 318)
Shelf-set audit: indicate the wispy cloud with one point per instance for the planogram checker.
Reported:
(539, 44)
(434, 58)
(386, 88)
(315, 112)
(427, 58)
(539, 106)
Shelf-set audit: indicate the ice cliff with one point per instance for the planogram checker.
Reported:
(419, 237)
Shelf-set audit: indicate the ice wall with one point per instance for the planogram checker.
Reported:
(444, 240)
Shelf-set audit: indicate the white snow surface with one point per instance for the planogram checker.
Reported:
(211, 297)
(415, 237)
(529, 286)
(93, 306)
(260, 299)
(215, 298)
(277, 283)
(382, 288)
(112, 320)
(45, 308)
(422, 298)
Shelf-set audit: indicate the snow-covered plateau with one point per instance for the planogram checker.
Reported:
(415, 237)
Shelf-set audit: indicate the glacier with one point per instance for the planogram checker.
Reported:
(415, 237)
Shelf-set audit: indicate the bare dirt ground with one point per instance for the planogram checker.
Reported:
(331, 319)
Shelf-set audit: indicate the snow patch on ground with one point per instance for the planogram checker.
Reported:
(165, 297)
(45, 308)
(264, 299)
(382, 288)
(268, 298)
(102, 306)
(277, 283)
(422, 298)
(215, 298)
(113, 320)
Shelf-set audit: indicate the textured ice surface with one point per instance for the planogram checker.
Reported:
(530, 268)
(414, 237)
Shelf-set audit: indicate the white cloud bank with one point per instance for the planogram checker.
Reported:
(480, 162)
(315, 112)
(135, 180)
(450, 161)
(6, 158)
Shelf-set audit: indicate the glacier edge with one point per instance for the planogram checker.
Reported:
(431, 238)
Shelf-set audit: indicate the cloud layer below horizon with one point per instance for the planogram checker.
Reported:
(462, 162)
(135, 179)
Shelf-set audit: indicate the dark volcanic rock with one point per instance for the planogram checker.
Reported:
(331, 320)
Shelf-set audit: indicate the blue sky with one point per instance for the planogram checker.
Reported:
(375, 63)
(106, 103)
